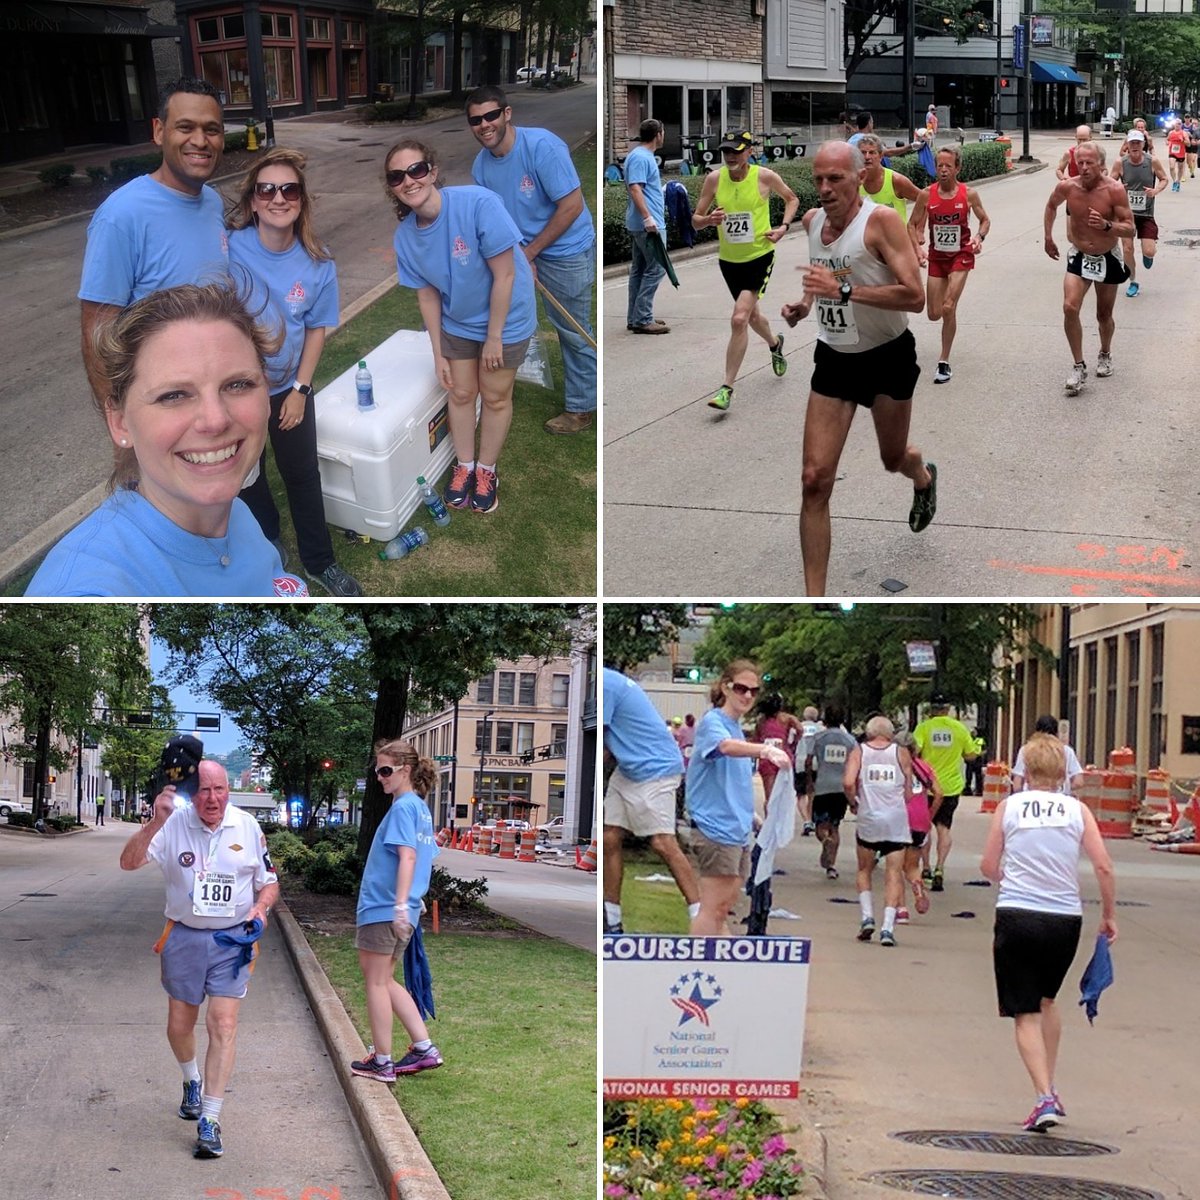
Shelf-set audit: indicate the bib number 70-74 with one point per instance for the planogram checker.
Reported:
(1041, 812)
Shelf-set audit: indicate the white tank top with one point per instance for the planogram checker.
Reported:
(882, 813)
(1043, 832)
(853, 328)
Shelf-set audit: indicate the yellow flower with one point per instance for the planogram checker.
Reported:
(676, 1104)
(722, 1149)
(690, 1196)
(685, 1137)
(665, 1144)
(704, 1141)
(636, 1153)
(609, 1143)
(688, 1122)
(741, 1102)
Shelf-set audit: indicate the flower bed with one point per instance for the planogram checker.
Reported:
(697, 1150)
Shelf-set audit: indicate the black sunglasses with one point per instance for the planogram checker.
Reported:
(289, 191)
(743, 690)
(418, 170)
(489, 117)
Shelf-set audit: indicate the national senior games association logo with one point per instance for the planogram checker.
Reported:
(694, 1003)
(526, 185)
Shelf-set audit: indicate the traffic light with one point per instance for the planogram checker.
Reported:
(687, 673)
(327, 764)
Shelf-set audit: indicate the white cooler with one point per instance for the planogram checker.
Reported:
(370, 459)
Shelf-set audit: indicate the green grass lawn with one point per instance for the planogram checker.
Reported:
(650, 907)
(512, 1114)
(541, 541)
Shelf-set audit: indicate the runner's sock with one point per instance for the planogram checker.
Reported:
(868, 908)
(469, 465)
(191, 1071)
(487, 467)
(423, 1045)
(210, 1107)
(612, 913)
(694, 910)
(889, 918)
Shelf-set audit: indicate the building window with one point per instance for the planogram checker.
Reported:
(737, 108)
(208, 30)
(276, 25)
(1018, 704)
(1031, 694)
(279, 68)
(480, 726)
(528, 694)
(556, 798)
(504, 737)
(506, 693)
(1092, 650)
(559, 687)
(318, 29)
(355, 65)
(353, 33)
(229, 72)
(1158, 728)
(524, 737)
(1110, 692)
(501, 785)
(558, 740)
(483, 690)
(1133, 670)
(1073, 692)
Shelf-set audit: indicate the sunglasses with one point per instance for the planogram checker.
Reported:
(489, 117)
(289, 191)
(385, 772)
(743, 690)
(418, 170)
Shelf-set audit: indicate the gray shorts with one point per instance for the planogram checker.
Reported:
(380, 938)
(194, 965)
(715, 859)
(456, 347)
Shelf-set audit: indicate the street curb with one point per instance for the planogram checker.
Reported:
(398, 1157)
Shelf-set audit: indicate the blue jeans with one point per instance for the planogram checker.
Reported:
(570, 281)
(645, 274)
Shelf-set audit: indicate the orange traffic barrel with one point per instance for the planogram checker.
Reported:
(508, 842)
(995, 786)
(1088, 791)
(528, 846)
(1120, 759)
(483, 839)
(1157, 792)
(1118, 799)
(1005, 141)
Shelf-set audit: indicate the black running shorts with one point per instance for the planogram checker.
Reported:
(887, 370)
(749, 276)
(1115, 271)
(1031, 953)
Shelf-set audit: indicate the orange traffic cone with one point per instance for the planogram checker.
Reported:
(586, 862)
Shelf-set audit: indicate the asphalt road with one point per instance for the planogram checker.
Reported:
(54, 455)
(908, 1038)
(1039, 494)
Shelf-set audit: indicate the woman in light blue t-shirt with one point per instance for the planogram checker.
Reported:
(461, 251)
(720, 795)
(395, 878)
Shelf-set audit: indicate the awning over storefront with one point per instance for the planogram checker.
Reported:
(1052, 72)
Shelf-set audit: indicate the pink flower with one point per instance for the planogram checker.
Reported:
(774, 1146)
(615, 1189)
(752, 1174)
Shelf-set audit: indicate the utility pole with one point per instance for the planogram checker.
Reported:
(906, 83)
(1027, 26)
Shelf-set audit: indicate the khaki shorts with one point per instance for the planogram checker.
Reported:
(380, 938)
(456, 347)
(644, 808)
(717, 860)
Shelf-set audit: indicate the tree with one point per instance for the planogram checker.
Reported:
(293, 677)
(130, 753)
(425, 656)
(56, 662)
(862, 20)
(634, 633)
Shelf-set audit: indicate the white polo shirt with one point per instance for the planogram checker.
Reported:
(185, 847)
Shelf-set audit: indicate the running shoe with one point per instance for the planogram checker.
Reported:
(943, 374)
(920, 897)
(778, 362)
(831, 873)
(1132, 289)
(926, 876)
(617, 928)
(485, 495)
(722, 399)
(938, 883)
(901, 918)
(189, 1110)
(371, 1068)
(1104, 365)
(866, 929)
(1058, 1104)
(1147, 261)
(337, 582)
(458, 490)
(1044, 1115)
(924, 503)
(1076, 379)
(808, 830)
(208, 1139)
(887, 938)
(419, 1060)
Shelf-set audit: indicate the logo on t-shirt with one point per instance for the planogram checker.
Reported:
(460, 250)
(224, 243)
(296, 295)
(289, 585)
(186, 858)
(527, 185)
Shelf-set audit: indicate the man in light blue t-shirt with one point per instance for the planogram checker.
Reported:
(641, 791)
(531, 170)
(645, 217)
(162, 229)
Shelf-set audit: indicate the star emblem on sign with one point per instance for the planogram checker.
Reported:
(689, 997)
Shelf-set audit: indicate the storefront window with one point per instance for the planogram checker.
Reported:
(319, 74)
(229, 72)
(279, 66)
(354, 62)
(557, 796)
(737, 108)
(317, 29)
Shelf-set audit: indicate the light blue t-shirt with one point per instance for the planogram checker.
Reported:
(147, 236)
(301, 293)
(640, 167)
(531, 179)
(407, 823)
(720, 789)
(451, 253)
(635, 734)
(128, 548)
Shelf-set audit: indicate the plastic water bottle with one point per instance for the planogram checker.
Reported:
(406, 543)
(366, 388)
(436, 505)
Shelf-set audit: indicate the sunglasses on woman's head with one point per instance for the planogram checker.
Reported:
(385, 772)
(289, 191)
(744, 690)
(417, 170)
(489, 117)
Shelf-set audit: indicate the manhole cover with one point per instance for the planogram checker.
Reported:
(1005, 1185)
(1002, 1143)
(1189, 232)
(1191, 243)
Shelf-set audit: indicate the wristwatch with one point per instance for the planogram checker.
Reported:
(846, 288)
(305, 389)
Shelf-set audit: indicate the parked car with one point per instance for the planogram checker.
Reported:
(554, 828)
(528, 73)
(12, 806)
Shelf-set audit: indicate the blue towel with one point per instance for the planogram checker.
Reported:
(417, 978)
(251, 932)
(926, 158)
(1097, 977)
